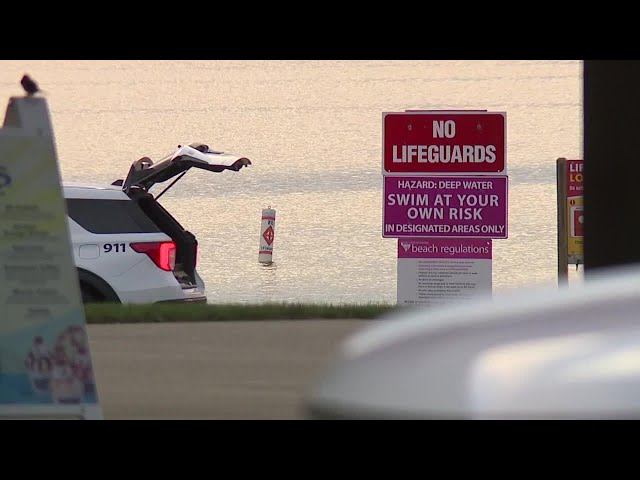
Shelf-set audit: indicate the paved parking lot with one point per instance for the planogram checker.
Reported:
(217, 370)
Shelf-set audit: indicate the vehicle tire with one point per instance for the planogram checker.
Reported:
(94, 289)
(89, 294)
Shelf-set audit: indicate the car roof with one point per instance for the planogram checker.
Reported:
(96, 191)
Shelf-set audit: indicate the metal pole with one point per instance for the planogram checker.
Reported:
(563, 254)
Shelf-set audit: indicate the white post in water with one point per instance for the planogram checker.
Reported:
(267, 235)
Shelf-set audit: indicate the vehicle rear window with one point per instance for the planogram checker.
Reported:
(110, 216)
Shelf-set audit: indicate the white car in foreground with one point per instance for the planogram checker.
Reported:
(539, 353)
(126, 246)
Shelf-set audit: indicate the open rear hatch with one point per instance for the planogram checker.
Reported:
(144, 174)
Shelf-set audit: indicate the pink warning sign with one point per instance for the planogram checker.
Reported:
(472, 207)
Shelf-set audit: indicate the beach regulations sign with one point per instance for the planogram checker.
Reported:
(472, 207)
(444, 143)
(438, 271)
(46, 370)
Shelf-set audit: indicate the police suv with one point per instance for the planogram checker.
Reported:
(126, 246)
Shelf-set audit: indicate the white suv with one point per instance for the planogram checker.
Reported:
(126, 246)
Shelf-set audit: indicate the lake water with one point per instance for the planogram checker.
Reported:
(313, 132)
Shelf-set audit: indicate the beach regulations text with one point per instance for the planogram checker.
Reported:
(435, 271)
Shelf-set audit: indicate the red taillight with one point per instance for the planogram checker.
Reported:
(163, 254)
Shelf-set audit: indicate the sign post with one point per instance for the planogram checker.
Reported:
(46, 369)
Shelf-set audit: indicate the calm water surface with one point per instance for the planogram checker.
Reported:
(313, 132)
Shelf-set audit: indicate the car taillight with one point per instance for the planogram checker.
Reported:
(163, 254)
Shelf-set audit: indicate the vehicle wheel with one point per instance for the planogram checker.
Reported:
(89, 295)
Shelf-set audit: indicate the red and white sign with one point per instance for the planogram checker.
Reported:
(268, 235)
(575, 178)
(577, 221)
(444, 142)
(267, 229)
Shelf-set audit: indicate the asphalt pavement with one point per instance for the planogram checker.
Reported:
(243, 370)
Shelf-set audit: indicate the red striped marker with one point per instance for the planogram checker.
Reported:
(267, 235)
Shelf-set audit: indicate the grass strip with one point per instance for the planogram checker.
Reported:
(158, 313)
